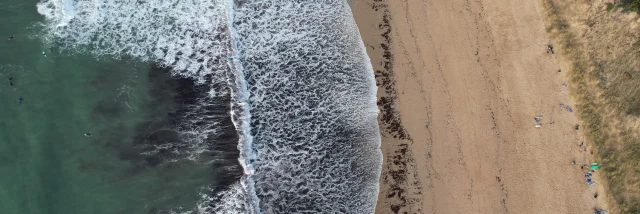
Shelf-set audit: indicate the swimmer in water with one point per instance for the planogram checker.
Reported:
(20, 99)
(11, 37)
(44, 54)
(88, 134)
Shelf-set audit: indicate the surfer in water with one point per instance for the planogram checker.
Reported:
(44, 54)
(11, 37)
(88, 134)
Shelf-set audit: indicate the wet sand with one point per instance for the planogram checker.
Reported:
(459, 85)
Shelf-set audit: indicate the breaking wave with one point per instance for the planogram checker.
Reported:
(293, 77)
(185, 35)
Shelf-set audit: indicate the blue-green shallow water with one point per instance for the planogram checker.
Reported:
(47, 165)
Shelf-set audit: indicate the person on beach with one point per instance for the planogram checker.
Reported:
(11, 37)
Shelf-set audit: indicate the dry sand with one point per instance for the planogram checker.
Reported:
(460, 83)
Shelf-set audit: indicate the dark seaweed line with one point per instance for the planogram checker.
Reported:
(400, 162)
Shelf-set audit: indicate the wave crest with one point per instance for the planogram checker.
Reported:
(185, 35)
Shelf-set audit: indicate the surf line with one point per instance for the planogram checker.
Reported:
(240, 115)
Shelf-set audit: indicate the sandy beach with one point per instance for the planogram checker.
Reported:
(460, 83)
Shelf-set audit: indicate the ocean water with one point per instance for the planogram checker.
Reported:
(194, 106)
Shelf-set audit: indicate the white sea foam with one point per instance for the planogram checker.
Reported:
(229, 201)
(313, 111)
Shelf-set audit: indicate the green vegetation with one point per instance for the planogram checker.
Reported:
(627, 5)
(611, 6)
(605, 83)
(630, 5)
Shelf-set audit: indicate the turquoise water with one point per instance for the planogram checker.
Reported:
(47, 165)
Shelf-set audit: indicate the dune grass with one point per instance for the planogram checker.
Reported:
(632, 5)
(604, 54)
(626, 5)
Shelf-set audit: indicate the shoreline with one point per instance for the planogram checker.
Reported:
(398, 160)
(459, 83)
